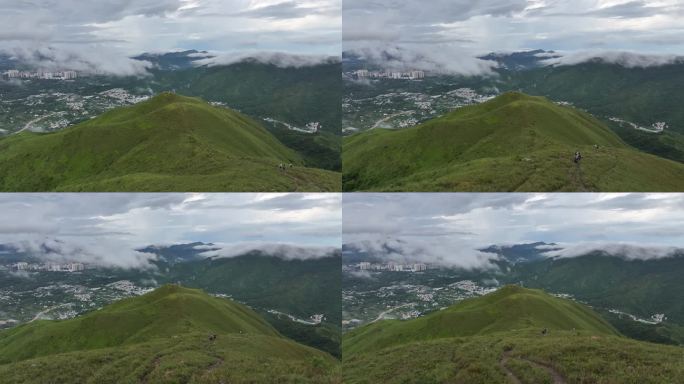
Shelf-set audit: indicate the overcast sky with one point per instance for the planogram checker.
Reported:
(450, 228)
(103, 33)
(429, 33)
(89, 227)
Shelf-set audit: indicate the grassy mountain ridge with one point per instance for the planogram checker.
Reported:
(297, 287)
(160, 337)
(168, 143)
(300, 288)
(497, 338)
(167, 311)
(519, 357)
(508, 308)
(639, 95)
(513, 142)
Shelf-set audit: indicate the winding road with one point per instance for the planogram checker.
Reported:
(28, 125)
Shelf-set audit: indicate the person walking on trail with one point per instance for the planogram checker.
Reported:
(578, 157)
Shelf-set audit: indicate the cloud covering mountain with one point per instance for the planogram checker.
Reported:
(282, 250)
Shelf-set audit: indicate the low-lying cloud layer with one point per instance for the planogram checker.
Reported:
(279, 59)
(442, 252)
(98, 60)
(442, 59)
(450, 229)
(108, 229)
(282, 250)
(623, 59)
(94, 251)
(627, 251)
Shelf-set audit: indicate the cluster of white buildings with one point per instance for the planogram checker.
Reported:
(472, 288)
(393, 267)
(49, 267)
(44, 75)
(313, 127)
(655, 319)
(657, 127)
(410, 75)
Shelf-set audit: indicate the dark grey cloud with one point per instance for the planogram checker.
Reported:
(283, 10)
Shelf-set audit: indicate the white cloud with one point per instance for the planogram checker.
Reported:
(441, 252)
(94, 251)
(440, 59)
(279, 59)
(624, 250)
(97, 60)
(282, 250)
(624, 59)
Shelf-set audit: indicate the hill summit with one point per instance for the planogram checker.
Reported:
(167, 143)
(513, 142)
(172, 334)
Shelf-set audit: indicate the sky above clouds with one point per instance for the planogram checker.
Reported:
(450, 228)
(106, 229)
(426, 34)
(82, 34)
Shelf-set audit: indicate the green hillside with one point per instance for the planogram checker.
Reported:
(300, 288)
(162, 336)
(639, 95)
(168, 143)
(638, 287)
(498, 338)
(524, 357)
(297, 95)
(514, 142)
(508, 308)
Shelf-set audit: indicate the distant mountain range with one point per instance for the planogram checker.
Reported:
(514, 142)
(171, 334)
(524, 60)
(171, 61)
(168, 143)
(511, 335)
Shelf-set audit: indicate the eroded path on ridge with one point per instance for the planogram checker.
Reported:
(556, 377)
(511, 376)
